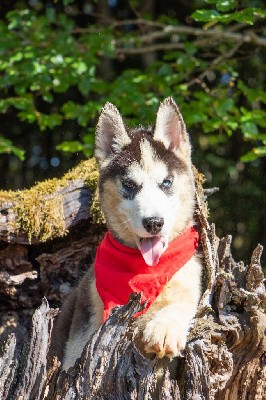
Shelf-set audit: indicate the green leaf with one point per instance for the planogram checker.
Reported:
(89, 139)
(73, 146)
(84, 85)
(80, 67)
(226, 5)
(3, 106)
(249, 129)
(67, 2)
(254, 154)
(205, 15)
(225, 106)
(83, 113)
(223, 5)
(48, 121)
(20, 19)
(252, 94)
(246, 16)
(6, 146)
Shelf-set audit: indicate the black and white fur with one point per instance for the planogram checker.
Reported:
(145, 175)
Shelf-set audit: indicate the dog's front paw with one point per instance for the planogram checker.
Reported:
(164, 337)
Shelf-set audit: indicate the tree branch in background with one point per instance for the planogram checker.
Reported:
(214, 64)
(136, 44)
(247, 36)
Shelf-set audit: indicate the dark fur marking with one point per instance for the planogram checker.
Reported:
(130, 188)
(132, 153)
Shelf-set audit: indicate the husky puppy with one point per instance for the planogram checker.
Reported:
(147, 195)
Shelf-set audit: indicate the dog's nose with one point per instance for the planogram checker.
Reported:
(153, 225)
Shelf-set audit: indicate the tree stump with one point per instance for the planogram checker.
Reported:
(225, 357)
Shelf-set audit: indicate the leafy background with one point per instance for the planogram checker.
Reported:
(60, 61)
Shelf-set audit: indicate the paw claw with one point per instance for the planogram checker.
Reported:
(164, 339)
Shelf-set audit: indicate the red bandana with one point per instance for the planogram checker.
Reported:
(121, 270)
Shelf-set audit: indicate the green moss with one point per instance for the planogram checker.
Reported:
(40, 217)
(39, 210)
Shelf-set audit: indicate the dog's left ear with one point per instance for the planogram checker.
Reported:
(170, 128)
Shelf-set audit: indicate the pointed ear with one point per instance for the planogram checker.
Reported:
(170, 128)
(111, 134)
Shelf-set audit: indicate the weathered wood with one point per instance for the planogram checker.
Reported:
(75, 198)
(8, 366)
(112, 358)
(22, 376)
(225, 358)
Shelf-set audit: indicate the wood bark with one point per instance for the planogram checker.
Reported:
(225, 357)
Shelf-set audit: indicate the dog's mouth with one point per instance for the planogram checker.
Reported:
(152, 248)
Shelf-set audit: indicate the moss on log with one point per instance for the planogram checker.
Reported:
(50, 208)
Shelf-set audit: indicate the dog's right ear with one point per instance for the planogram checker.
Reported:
(111, 134)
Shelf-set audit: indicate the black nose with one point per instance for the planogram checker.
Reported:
(153, 225)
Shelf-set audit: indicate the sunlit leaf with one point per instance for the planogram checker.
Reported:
(254, 154)
(249, 129)
(73, 146)
(6, 146)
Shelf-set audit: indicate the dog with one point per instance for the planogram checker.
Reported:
(147, 194)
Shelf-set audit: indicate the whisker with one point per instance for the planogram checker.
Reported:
(127, 220)
(124, 225)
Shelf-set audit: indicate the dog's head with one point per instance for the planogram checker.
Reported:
(146, 182)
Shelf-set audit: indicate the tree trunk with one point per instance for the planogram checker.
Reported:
(225, 357)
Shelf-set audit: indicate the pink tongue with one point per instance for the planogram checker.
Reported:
(152, 249)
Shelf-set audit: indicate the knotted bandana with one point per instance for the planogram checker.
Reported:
(121, 270)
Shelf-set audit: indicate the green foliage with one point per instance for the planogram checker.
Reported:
(246, 16)
(43, 56)
(75, 146)
(6, 146)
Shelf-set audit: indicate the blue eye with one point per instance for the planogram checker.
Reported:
(166, 183)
